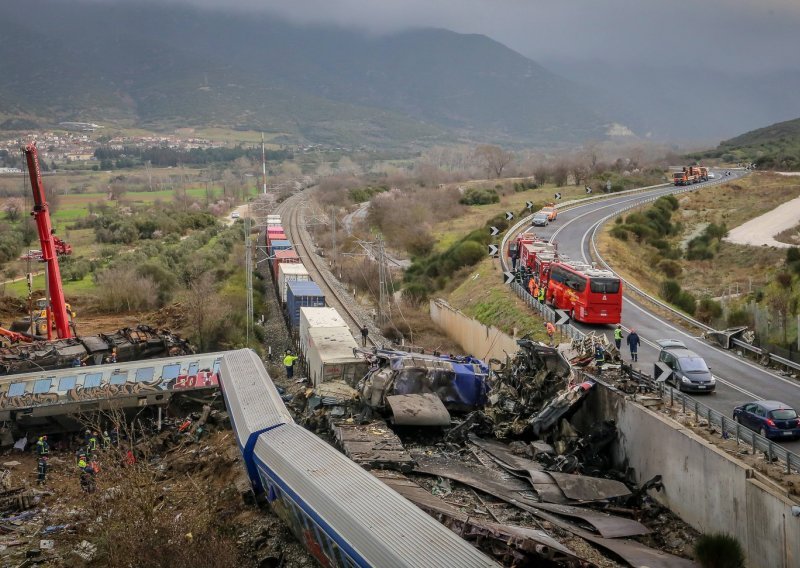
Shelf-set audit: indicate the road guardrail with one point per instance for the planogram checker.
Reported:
(727, 426)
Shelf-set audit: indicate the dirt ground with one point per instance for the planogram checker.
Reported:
(180, 501)
(762, 230)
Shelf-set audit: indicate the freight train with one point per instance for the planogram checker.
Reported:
(343, 515)
(325, 340)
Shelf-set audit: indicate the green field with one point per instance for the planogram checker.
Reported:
(73, 206)
(71, 288)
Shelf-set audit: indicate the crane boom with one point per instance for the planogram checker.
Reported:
(51, 245)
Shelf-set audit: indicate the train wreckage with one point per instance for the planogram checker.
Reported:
(431, 425)
(127, 344)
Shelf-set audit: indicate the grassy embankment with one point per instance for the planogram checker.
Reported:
(479, 292)
(734, 270)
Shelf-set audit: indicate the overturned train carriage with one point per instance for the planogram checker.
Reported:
(342, 514)
(129, 344)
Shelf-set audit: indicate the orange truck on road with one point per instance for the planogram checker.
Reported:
(690, 175)
(550, 210)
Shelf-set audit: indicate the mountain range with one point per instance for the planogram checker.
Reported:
(159, 66)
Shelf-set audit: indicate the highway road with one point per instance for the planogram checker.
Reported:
(738, 380)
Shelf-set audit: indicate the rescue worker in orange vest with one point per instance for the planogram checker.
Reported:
(532, 288)
(551, 330)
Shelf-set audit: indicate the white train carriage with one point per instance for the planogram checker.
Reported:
(342, 514)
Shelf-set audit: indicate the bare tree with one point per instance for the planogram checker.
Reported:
(579, 172)
(205, 309)
(13, 208)
(560, 175)
(495, 159)
(116, 190)
(541, 174)
(781, 300)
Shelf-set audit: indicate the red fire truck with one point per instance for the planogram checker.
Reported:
(589, 294)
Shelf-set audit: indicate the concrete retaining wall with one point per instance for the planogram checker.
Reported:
(703, 485)
(477, 339)
(706, 487)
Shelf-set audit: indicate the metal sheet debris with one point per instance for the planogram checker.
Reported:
(586, 488)
(513, 544)
(372, 445)
(418, 410)
(482, 478)
(568, 400)
(523, 385)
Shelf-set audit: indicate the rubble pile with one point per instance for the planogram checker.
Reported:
(506, 470)
(175, 500)
(521, 388)
(582, 351)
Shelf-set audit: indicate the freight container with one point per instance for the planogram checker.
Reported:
(311, 318)
(280, 257)
(275, 229)
(300, 294)
(273, 220)
(272, 238)
(278, 244)
(329, 355)
(288, 271)
(278, 235)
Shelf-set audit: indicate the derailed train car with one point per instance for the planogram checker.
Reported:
(342, 514)
(127, 344)
(421, 389)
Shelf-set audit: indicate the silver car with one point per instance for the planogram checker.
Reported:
(540, 220)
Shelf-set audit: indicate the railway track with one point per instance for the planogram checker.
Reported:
(291, 210)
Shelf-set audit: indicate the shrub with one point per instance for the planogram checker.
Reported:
(719, 550)
(792, 254)
(660, 244)
(75, 268)
(708, 310)
(619, 233)
(698, 250)
(716, 231)
(415, 293)
(670, 291)
(477, 196)
(467, 254)
(122, 289)
(670, 268)
(642, 232)
(686, 302)
(740, 317)
(635, 218)
(618, 220)
(419, 243)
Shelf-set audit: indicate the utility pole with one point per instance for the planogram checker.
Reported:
(248, 277)
(333, 234)
(263, 164)
(383, 292)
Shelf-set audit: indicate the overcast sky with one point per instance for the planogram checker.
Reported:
(727, 34)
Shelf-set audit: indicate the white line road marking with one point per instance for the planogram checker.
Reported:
(738, 360)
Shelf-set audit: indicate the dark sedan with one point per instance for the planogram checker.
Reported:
(770, 418)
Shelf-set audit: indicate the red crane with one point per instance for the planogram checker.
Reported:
(51, 247)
